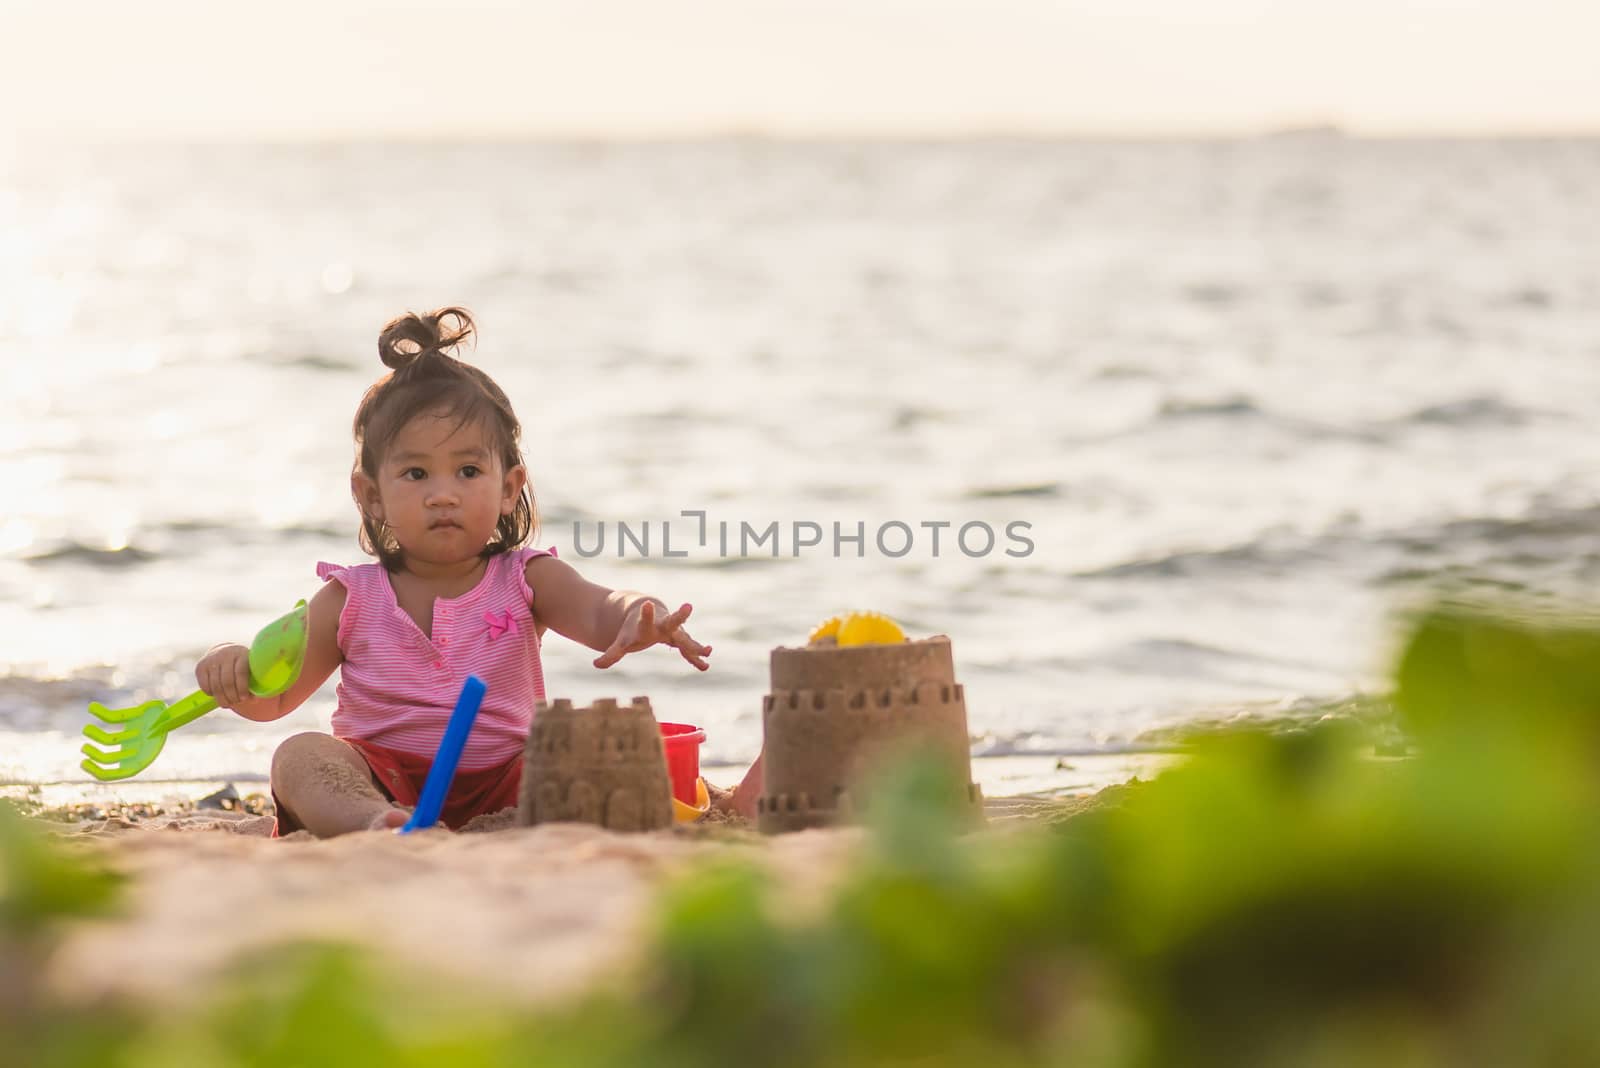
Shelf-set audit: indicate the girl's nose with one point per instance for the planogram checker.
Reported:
(442, 493)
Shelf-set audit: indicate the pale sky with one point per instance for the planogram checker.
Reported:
(222, 69)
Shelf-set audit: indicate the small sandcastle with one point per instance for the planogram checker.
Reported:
(601, 764)
(836, 713)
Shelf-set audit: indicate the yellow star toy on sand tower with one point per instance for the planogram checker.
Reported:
(858, 628)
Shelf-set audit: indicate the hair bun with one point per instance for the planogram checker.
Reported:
(406, 339)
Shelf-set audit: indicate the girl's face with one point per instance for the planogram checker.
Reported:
(441, 489)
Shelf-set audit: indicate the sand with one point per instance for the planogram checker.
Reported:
(537, 912)
(534, 913)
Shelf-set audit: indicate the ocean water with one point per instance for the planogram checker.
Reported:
(1239, 403)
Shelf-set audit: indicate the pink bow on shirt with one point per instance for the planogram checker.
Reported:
(502, 625)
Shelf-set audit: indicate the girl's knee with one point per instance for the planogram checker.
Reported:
(299, 750)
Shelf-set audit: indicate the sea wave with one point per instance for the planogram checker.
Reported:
(1032, 743)
(1373, 715)
(315, 361)
(1472, 412)
(1543, 537)
(74, 552)
(1231, 407)
(1031, 489)
(1252, 555)
(1241, 410)
(41, 702)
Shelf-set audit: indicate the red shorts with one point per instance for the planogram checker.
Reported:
(401, 775)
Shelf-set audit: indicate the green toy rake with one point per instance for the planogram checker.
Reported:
(138, 733)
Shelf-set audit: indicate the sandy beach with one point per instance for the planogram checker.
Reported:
(534, 913)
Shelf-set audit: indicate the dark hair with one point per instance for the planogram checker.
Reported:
(425, 379)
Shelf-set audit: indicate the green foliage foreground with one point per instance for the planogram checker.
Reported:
(1282, 899)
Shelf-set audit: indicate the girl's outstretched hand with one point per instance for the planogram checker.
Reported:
(641, 629)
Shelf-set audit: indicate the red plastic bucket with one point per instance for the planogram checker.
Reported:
(682, 742)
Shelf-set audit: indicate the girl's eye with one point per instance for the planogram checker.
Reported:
(414, 474)
(472, 471)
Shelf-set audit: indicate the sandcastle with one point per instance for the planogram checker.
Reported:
(601, 764)
(837, 713)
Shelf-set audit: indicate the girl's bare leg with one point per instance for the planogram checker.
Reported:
(328, 788)
(742, 798)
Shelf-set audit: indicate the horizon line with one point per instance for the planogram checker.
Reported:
(1329, 132)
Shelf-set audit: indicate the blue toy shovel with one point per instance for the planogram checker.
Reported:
(443, 771)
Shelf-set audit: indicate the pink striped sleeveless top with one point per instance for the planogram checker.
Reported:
(398, 686)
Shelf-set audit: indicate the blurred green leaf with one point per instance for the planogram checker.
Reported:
(1469, 668)
(41, 881)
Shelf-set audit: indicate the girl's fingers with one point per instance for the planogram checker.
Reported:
(692, 650)
(213, 686)
(648, 631)
(669, 629)
(223, 677)
(611, 655)
(681, 639)
(676, 619)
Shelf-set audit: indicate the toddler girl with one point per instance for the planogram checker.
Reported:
(445, 507)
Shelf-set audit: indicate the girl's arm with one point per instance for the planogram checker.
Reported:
(225, 670)
(612, 622)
